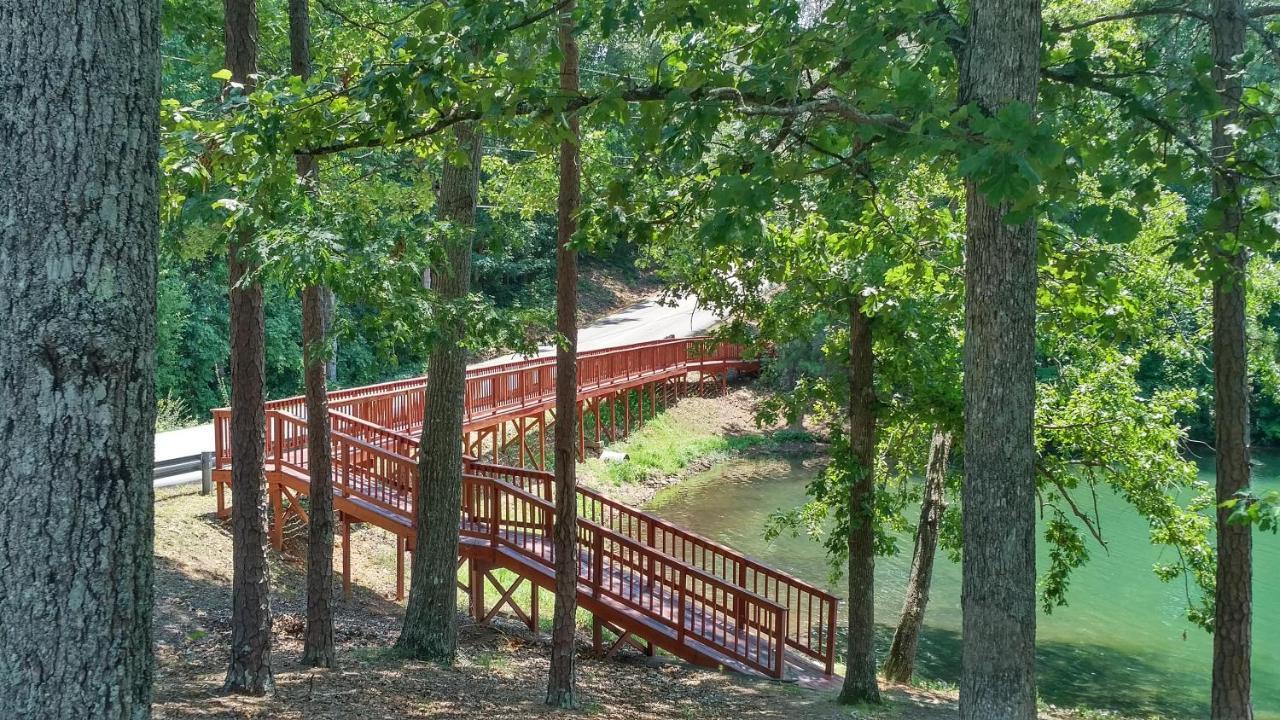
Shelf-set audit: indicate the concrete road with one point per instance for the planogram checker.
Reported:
(646, 320)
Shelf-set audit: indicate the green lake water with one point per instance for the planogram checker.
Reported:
(1122, 643)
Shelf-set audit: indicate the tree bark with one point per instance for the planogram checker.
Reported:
(860, 684)
(318, 649)
(562, 678)
(431, 621)
(997, 682)
(1232, 637)
(77, 314)
(249, 670)
(900, 665)
(317, 312)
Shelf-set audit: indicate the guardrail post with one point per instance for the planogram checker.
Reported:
(279, 426)
(597, 561)
(739, 602)
(831, 638)
(680, 603)
(494, 514)
(206, 472)
(780, 644)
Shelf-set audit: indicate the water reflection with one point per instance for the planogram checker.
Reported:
(1122, 643)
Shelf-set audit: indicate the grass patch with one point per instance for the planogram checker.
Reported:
(667, 445)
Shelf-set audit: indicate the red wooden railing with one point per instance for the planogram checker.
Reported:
(506, 388)
(699, 588)
(812, 611)
(698, 605)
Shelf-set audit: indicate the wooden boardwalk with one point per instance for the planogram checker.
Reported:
(646, 581)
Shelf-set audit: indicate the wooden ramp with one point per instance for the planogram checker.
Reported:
(646, 581)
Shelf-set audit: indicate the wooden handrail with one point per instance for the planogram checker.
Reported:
(816, 640)
(624, 540)
(376, 462)
(366, 392)
(744, 614)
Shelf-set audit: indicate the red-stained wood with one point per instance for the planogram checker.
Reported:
(638, 574)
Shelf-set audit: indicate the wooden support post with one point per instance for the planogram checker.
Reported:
(399, 567)
(477, 590)
(596, 415)
(542, 441)
(597, 635)
(534, 592)
(626, 413)
(524, 442)
(346, 556)
(494, 432)
(582, 434)
(277, 517)
(223, 512)
(613, 417)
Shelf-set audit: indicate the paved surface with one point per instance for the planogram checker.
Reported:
(646, 320)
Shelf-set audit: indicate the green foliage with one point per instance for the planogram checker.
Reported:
(1258, 509)
(783, 161)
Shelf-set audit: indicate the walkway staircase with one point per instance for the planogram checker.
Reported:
(647, 581)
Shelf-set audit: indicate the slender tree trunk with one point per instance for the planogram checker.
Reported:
(317, 312)
(997, 681)
(431, 620)
(562, 681)
(249, 670)
(860, 684)
(900, 665)
(77, 314)
(1232, 636)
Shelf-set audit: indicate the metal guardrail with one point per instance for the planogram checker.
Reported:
(189, 464)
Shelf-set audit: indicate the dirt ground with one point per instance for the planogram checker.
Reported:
(501, 670)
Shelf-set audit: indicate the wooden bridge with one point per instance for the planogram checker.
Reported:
(648, 582)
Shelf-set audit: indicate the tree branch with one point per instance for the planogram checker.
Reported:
(535, 17)
(1132, 14)
(1132, 103)
(745, 103)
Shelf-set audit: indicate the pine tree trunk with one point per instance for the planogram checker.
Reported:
(77, 318)
(997, 680)
(249, 670)
(562, 679)
(1232, 637)
(317, 312)
(431, 621)
(900, 665)
(860, 684)
(318, 649)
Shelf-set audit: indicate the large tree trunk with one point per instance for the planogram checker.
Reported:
(431, 621)
(860, 684)
(997, 680)
(901, 662)
(317, 312)
(249, 670)
(77, 315)
(562, 680)
(1232, 637)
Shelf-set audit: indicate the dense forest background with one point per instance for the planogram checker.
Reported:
(513, 266)
(389, 196)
